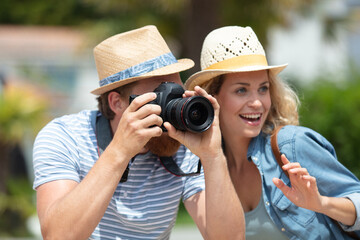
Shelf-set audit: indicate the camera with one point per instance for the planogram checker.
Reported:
(195, 114)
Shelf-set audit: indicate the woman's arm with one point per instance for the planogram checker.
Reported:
(217, 211)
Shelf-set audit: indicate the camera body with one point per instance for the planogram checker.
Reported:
(194, 114)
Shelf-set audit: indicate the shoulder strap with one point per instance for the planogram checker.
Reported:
(275, 148)
(103, 133)
(277, 154)
(104, 136)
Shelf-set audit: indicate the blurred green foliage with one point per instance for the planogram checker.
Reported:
(183, 217)
(21, 110)
(333, 109)
(22, 113)
(40, 12)
(16, 206)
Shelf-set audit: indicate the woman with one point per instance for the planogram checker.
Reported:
(253, 102)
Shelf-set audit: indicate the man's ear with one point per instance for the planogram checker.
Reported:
(116, 103)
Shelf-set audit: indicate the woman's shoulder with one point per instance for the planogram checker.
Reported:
(304, 137)
(291, 132)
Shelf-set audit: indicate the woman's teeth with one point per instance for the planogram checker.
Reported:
(251, 117)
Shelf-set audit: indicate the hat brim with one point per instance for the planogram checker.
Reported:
(181, 65)
(206, 75)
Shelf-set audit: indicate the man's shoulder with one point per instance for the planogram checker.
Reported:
(79, 117)
(82, 118)
(80, 122)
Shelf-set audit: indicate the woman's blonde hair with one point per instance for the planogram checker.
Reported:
(284, 102)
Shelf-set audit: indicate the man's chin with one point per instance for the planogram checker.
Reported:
(163, 145)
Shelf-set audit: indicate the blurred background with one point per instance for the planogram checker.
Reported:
(47, 70)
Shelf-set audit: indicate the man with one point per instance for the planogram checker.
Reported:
(124, 192)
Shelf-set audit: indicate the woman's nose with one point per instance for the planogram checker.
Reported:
(254, 102)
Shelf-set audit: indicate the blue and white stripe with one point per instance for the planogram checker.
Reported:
(140, 69)
(144, 207)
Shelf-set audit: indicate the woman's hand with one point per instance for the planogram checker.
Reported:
(303, 191)
(206, 145)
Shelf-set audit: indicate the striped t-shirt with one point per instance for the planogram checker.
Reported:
(143, 207)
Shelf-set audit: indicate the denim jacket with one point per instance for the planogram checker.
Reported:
(317, 155)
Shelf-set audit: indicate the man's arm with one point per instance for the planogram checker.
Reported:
(71, 210)
(217, 211)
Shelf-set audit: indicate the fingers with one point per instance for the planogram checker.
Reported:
(281, 185)
(174, 133)
(298, 171)
(188, 93)
(150, 115)
(298, 174)
(202, 92)
(147, 113)
(139, 122)
(141, 100)
(293, 167)
(311, 181)
(284, 159)
(198, 91)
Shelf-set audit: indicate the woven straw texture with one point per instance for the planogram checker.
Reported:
(230, 49)
(129, 49)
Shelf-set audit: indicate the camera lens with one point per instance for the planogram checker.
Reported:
(197, 114)
(194, 114)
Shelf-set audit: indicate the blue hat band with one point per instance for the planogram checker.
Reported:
(140, 69)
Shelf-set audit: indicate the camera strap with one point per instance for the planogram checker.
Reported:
(170, 165)
(104, 136)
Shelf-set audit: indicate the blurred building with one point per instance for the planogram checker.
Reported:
(324, 42)
(354, 31)
(55, 59)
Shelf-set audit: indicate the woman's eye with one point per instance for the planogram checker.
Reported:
(241, 90)
(264, 89)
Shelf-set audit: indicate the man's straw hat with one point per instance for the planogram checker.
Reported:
(134, 55)
(228, 50)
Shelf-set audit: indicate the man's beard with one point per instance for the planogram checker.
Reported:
(163, 146)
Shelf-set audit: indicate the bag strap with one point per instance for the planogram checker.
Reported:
(277, 154)
(275, 148)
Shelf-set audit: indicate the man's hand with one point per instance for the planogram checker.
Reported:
(139, 123)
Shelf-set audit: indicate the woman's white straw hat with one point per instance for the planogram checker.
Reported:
(228, 50)
(134, 55)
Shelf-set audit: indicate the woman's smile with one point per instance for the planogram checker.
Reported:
(253, 119)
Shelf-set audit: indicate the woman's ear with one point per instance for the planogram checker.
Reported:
(116, 103)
